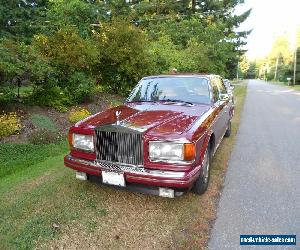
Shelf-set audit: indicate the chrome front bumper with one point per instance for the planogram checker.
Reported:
(118, 167)
(135, 174)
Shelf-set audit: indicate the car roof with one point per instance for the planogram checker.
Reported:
(182, 75)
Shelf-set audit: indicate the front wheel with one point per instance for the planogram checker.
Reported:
(201, 184)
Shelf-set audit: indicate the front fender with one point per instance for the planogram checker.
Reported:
(205, 144)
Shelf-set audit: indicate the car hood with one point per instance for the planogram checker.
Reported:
(154, 117)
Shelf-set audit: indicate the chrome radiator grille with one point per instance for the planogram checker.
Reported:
(119, 146)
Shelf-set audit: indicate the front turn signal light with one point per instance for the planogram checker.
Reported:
(189, 151)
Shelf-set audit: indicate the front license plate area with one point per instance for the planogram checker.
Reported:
(113, 178)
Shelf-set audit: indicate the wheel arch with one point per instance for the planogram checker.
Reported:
(210, 141)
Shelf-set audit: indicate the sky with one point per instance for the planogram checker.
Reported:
(269, 19)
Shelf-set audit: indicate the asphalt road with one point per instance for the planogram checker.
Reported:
(262, 185)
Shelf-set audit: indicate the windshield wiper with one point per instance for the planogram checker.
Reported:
(175, 100)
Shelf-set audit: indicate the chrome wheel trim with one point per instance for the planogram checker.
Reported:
(206, 167)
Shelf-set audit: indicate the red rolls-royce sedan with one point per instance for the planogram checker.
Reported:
(160, 141)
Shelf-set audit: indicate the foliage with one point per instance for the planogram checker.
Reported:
(19, 63)
(252, 71)
(44, 136)
(196, 59)
(79, 87)
(7, 95)
(297, 57)
(115, 103)
(78, 13)
(50, 96)
(297, 78)
(281, 50)
(21, 19)
(13, 61)
(124, 58)
(244, 66)
(78, 115)
(278, 65)
(43, 122)
(9, 124)
(72, 57)
(165, 55)
(65, 48)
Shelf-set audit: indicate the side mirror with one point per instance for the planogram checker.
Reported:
(224, 97)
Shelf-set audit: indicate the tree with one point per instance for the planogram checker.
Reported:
(211, 23)
(83, 15)
(297, 57)
(252, 71)
(66, 46)
(72, 58)
(123, 57)
(244, 66)
(22, 19)
(280, 56)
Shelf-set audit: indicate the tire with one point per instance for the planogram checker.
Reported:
(201, 184)
(228, 131)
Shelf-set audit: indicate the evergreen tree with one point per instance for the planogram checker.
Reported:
(20, 19)
(298, 58)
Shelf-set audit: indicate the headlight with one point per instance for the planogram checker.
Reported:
(83, 142)
(171, 151)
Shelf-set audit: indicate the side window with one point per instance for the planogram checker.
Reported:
(215, 89)
(221, 86)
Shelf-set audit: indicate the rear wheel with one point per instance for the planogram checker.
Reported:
(201, 184)
(228, 131)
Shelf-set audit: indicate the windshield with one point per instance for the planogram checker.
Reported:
(185, 89)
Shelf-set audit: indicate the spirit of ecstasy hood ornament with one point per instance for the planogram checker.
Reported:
(118, 113)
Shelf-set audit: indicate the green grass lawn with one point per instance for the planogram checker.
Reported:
(296, 87)
(42, 205)
(17, 157)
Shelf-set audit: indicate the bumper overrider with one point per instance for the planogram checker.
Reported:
(180, 181)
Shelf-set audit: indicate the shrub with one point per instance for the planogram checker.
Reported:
(23, 62)
(70, 58)
(9, 124)
(78, 115)
(7, 95)
(44, 136)
(76, 13)
(79, 87)
(53, 97)
(115, 103)
(165, 55)
(43, 122)
(124, 57)
(67, 51)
